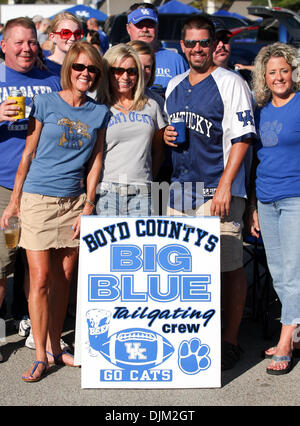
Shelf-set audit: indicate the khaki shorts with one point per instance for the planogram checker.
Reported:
(230, 229)
(7, 256)
(46, 222)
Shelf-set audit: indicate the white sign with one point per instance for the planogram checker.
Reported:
(148, 312)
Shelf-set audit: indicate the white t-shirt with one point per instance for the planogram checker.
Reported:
(127, 151)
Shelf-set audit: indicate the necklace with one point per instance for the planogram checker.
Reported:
(119, 106)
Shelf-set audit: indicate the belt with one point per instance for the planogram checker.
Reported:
(123, 189)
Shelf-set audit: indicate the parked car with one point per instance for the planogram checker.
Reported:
(277, 24)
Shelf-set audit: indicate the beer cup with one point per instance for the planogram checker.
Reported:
(12, 232)
(98, 324)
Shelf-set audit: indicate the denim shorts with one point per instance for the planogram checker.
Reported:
(114, 199)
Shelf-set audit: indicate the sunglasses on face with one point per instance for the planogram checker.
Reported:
(66, 34)
(120, 71)
(81, 67)
(223, 38)
(192, 43)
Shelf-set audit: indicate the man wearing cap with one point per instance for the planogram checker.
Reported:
(18, 71)
(216, 106)
(142, 24)
(222, 51)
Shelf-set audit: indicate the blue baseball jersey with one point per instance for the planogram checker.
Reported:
(217, 113)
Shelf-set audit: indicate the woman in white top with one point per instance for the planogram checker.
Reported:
(134, 149)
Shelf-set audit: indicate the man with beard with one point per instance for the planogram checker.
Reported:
(216, 106)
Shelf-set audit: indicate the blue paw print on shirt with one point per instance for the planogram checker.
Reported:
(193, 356)
(269, 133)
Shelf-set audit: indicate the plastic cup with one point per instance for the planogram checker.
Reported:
(12, 233)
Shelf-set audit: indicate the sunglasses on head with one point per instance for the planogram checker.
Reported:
(66, 34)
(121, 71)
(223, 38)
(81, 67)
(192, 43)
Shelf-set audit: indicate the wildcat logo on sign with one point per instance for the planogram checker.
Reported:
(148, 302)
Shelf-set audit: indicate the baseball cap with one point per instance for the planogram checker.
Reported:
(219, 27)
(140, 14)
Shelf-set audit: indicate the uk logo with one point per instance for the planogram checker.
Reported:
(245, 117)
(145, 11)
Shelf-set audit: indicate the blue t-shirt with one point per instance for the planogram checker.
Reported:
(13, 134)
(66, 142)
(278, 172)
(218, 113)
(53, 67)
(168, 65)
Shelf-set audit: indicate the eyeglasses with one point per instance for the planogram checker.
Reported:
(120, 71)
(81, 67)
(192, 43)
(223, 38)
(66, 34)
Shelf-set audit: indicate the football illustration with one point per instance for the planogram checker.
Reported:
(136, 348)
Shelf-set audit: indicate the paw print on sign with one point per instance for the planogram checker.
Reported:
(269, 132)
(193, 356)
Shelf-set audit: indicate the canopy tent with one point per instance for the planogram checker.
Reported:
(85, 12)
(175, 6)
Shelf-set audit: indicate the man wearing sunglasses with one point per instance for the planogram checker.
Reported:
(18, 71)
(216, 106)
(222, 52)
(142, 25)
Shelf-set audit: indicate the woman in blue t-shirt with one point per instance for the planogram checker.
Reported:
(276, 85)
(55, 185)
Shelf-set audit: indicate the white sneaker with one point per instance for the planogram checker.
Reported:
(24, 327)
(29, 343)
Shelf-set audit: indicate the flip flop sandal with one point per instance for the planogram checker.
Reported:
(295, 353)
(230, 355)
(30, 378)
(285, 370)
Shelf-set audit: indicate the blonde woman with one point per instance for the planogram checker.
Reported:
(55, 185)
(276, 90)
(134, 147)
(65, 29)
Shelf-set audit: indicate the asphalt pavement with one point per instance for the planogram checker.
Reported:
(247, 384)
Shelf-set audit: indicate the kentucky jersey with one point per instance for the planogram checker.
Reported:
(217, 113)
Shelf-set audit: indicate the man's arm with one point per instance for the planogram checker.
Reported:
(221, 201)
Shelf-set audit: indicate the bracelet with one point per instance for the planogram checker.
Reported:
(90, 203)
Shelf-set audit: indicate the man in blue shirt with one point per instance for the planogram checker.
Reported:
(142, 25)
(20, 47)
(215, 104)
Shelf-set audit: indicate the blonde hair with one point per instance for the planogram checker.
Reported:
(111, 58)
(58, 19)
(262, 92)
(75, 50)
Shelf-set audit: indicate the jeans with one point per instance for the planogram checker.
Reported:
(112, 203)
(280, 229)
